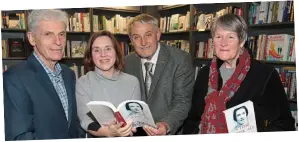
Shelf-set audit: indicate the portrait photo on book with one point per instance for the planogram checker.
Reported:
(135, 110)
(241, 118)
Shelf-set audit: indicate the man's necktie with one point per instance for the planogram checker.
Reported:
(148, 76)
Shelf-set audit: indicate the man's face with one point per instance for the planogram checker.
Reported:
(145, 39)
(49, 40)
(135, 107)
(241, 116)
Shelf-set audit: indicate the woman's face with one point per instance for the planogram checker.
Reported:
(103, 54)
(226, 45)
(135, 107)
(241, 116)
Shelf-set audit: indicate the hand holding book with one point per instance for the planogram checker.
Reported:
(115, 129)
(135, 110)
(160, 130)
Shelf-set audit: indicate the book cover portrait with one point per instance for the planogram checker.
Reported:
(241, 118)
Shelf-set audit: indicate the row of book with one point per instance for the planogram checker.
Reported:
(175, 23)
(203, 21)
(288, 79)
(13, 47)
(78, 70)
(278, 47)
(205, 49)
(181, 44)
(76, 49)
(116, 24)
(77, 22)
(12, 20)
(127, 48)
(80, 22)
(271, 12)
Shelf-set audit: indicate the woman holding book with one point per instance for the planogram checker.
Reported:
(234, 77)
(105, 81)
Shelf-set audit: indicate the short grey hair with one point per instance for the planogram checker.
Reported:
(36, 16)
(144, 19)
(231, 22)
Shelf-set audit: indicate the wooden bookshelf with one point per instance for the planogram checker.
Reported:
(118, 10)
(179, 32)
(292, 101)
(273, 25)
(13, 30)
(286, 63)
(67, 58)
(165, 7)
(205, 31)
(198, 61)
(78, 33)
(15, 58)
(193, 36)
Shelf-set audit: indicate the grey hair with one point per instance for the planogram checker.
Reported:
(36, 16)
(231, 22)
(144, 19)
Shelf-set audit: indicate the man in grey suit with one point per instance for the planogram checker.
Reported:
(166, 75)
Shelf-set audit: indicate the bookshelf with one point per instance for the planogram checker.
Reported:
(254, 29)
(195, 36)
(189, 32)
(272, 25)
(11, 30)
(74, 33)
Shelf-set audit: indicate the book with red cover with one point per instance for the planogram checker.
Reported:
(16, 47)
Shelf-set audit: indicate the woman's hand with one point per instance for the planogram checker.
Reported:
(114, 129)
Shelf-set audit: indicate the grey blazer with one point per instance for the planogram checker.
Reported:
(171, 90)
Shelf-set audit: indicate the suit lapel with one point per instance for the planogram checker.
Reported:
(161, 62)
(44, 80)
(68, 87)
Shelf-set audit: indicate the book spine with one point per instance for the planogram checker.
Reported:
(120, 118)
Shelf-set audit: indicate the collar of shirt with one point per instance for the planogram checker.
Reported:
(57, 67)
(152, 60)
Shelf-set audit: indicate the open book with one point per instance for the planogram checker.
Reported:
(105, 112)
(241, 118)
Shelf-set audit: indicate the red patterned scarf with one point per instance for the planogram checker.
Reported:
(213, 119)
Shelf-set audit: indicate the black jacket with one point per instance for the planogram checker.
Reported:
(262, 85)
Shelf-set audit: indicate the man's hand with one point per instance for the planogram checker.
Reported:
(161, 129)
(114, 129)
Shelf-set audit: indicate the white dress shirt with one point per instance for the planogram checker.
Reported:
(152, 60)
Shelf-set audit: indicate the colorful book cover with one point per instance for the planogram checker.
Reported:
(278, 47)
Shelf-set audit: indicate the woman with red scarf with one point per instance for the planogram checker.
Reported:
(232, 78)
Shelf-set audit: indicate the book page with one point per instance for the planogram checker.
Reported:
(102, 111)
(138, 111)
(241, 118)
